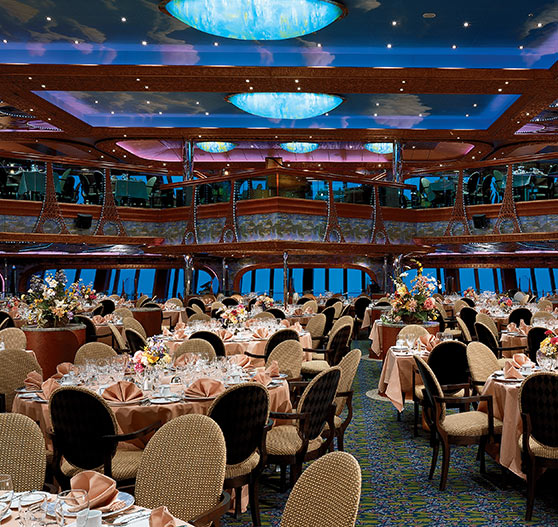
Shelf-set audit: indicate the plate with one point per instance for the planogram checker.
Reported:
(275, 384)
(128, 500)
(27, 390)
(27, 395)
(7, 514)
(126, 403)
(164, 400)
(33, 497)
(400, 348)
(194, 398)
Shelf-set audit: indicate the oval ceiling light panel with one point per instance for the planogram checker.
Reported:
(216, 147)
(299, 148)
(285, 105)
(379, 148)
(256, 19)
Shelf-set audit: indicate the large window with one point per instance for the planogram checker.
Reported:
(542, 277)
(467, 278)
(486, 280)
(523, 277)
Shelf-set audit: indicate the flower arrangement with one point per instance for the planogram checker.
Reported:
(264, 301)
(549, 346)
(414, 305)
(234, 315)
(470, 293)
(505, 303)
(84, 292)
(155, 353)
(50, 303)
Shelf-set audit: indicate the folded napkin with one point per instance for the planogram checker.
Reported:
(512, 327)
(240, 359)
(262, 377)
(510, 372)
(225, 334)
(520, 359)
(273, 369)
(166, 331)
(548, 308)
(205, 387)
(63, 369)
(524, 328)
(427, 342)
(161, 517)
(180, 333)
(297, 312)
(101, 490)
(33, 381)
(484, 310)
(48, 387)
(308, 310)
(98, 319)
(122, 391)
(285, 323)
(180, 325)
(297, 327)
(185, 358)
(261, 333)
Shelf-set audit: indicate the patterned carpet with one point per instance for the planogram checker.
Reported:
(395, 485)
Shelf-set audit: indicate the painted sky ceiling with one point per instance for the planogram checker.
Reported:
(378, 111)
(381, 33)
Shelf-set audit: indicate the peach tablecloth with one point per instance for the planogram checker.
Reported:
(505, 398)
(381, 344)
(510, 341)
(175, 316)
(372, 314)
(396, 379)
(103, 329)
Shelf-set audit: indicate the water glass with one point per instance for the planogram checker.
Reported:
(6, 494)
(72, 506)
(32, 513)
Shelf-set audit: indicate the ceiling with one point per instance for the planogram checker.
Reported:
(478, 79)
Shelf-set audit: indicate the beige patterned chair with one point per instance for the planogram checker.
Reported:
(482, 364)
(123, 312)
(175, 301)
(263, 315)
(544, 304)
(22, 452)
(288, 355)
(465, 333)
(539, 315)
(337, 347)
(199, 316)
(463, 428)
(483, 318)
(142, 300)
(217, 305)
(198, 346)
(412, 331)
(118, 339)
(311, 303)
(94, 351)
(13, 338)
(16, 364)
(338, 306)
(458, 305)
(183, 468)
(327, 494)
(315, 327)
(132, 323)
(198, 310)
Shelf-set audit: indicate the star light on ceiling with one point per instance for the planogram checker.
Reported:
(285, 105)
(216, 147)
(299, 147)
(255, 19)
(379, 148)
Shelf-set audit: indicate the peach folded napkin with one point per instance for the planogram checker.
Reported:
(548, 308)
(240, 359)
(297, 327)
(101, 489)
(49, 386)
(122, 391)
(484, 311)
(63, 369)
(225, 335)
(261, 333)
(297, 312)
(186, 358)
(180, 333)
(180, 325)
(205, 387)
(33, 381)
(510, 372)
(262, 377)
(166, 332)
(512, 327)
(308, 310)
(520, 359)
(427, 342)
(285, 323)
(273, 369)
(161, 517)
(524, 328)
(98, 319)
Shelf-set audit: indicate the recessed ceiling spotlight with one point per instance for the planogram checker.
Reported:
(48, 19)
(375, 115)
(251, 87)
(298, 88)
(465, 24)
(125, 135)
(400, 89)
(466, 115)
(296, 80)
(148, 102)
(206, 113)
(160, 113)
(420, 114)
(429, 15)
(527, 113)
(414, 147)
(507, 82)
(30, 78)
(539, 24)
(43, 86)
(454, 47)
(49, 119)
(319, 45)
(144, 42)
(123, 19)
(520, 47)
(377, 104)
(197, 102)
(247, 80)
(30, 109)
(164, 164)
(403, 82)
(138, 79)
(473, 157)
(389, 46)
(76, 41)
(5, 41)
(475, 105)
(499, 89)
(215, 43)
(394, 22)
(124, 155)
(112, 112)
(96, 102)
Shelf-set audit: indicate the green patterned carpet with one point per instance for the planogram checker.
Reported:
(395, 485)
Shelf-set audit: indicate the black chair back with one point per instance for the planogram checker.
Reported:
(340, 344)
(98, 310)
(251, 303)
(90, 330)
(214, 339)
(440, 319)
(534, 338)
(215, 313)
(276, 312)
(10, 321)
(198, 302)
(361, 303)
(538, 398)
(189, 311)
(331, 301)
(108, 306)
(230, 302)
(486, 337)
(448, 361)
(382, 303)
(519, 314)
(469, 301)
(302, 300)
(469, 316)
(278, 337)
(135, 341)
(329, 313)
(242, 413)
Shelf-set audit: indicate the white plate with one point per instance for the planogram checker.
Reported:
(194, 398)
(33, 497)
(164, 400)
(27, 390)
(275, 384)
(126, 403)
(7, 514)
(128, 500)
(27, 395)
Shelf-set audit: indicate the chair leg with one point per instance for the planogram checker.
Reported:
(482, 446)
(237, 502)
(415, 425)
(340, 440)
(435, 448)
(283, 483)
(445, 464)
(531, 480)
(254, 501)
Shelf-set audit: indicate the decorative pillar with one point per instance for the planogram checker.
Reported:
(379, 232)
(285, 278)
(188, 274)
(188, 160)
(459, 212)
(508, 210)
(50, 210)
(109, 212)
(397, 162)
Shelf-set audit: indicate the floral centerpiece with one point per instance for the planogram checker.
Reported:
(547, 354)
(155, 353)
(50, 304)
(505, 303)
(85, 292)
(470, 293)
(264, 301)
(234, 315)
(414, 305)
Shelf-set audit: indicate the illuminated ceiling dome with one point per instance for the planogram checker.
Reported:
(379, 148)
(300, 148)
(285, 105)
(256, 19)
(216, 147)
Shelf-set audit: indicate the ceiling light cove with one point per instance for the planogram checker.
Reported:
(300, 148)
(216, 147)
(256, 19)
(285, 105)
(379, 148)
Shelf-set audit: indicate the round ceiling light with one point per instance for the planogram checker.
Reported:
(256, 19)
(216, 147)
(379, 148)
(299, 148)
(285, 105)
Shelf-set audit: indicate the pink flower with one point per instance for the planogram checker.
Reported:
(429, 304)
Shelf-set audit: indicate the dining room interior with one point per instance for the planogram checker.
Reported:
(278, 263)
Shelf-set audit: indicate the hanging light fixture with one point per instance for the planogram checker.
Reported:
(255, 19)
(216, 147)
(285, 105)
(299, 147)
(379, 148)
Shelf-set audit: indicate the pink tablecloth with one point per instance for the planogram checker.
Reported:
(509, 341)
(103, 329)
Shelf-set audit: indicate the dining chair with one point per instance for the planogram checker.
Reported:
(288, 355)
(464, 428)
(302, 300)
(273, 341)
(123, 312)
(132, 323)
(469, 301)
(183, 467)
(458, 305)
(242, 413)
(277, 313)
(13, 338)
(465, 333)
(196, 346)
(488, 321)
(175, 301)
(331, 301)
(120, 344)
(482, 364)
(544, 304)
(338, 306)
(142, 300)
(361, 305)
(336, 348)
(487, 338)
(264, 315)
(218, 305)
(215, 340)
(199, 316)
(85, 437)
(108, 306)
(94, 351)
(329, 313)
(538, 405)
(311, 303)
(22, 452)
(195, 301)
(336, 475)
(189, 312)
(293, 444)
(6, 321)
(97, 310)
(230, 302)
(542, 315)
(469, 316)
(519, 314)
(412, 331)
(16, 364)
(315, 327)
(534, 338)
(135, 340)
(91, 334)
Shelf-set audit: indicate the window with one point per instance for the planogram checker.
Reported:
(170, 284)
(126, 282)
(145, 282)
(499, 280)
(486, 280)
(354, 282)
(542, 276)
(467, 278)
(319, 281)
(278, 284)
(246, 283)
(88, 276)
(262, 280)
(205, 281)
(523, 277)
(336, 280)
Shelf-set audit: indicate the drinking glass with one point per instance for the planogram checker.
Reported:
(71, 506)
(6, 494)
(32, 509)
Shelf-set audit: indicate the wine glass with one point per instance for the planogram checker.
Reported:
(6, 494)
(71, 506)
(32, 509)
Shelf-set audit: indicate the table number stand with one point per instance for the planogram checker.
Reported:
(109, 212)
(50, 210)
